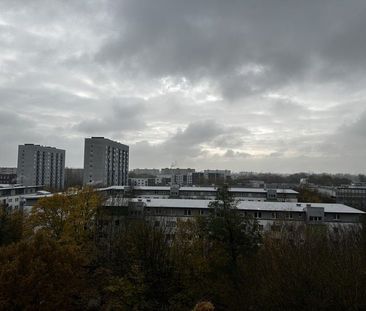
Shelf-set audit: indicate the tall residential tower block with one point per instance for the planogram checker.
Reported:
(41, 165)
(105, 162)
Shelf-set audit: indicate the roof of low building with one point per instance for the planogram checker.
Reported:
(200, 189)
(249, 205)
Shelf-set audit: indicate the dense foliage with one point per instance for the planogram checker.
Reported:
(51, 259)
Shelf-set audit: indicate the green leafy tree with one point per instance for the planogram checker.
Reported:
(40, 274)
(233, 240)
(238, 234)
(69, 217)
(11, 225)
(142, 268)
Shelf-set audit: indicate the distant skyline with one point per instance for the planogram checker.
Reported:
(267, 86)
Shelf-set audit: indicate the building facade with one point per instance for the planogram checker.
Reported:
(146, 171)
(105, 162)
(41, 165)
(217, 177)
(11, 196)
(271, 216)
(202, 193)
(134, 182)
(8, 175)
(353, 195)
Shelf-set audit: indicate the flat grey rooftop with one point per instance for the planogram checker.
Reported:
(201, 189)
(248, 205)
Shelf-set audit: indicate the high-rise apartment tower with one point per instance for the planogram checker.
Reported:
(41, 165)
(105, 162)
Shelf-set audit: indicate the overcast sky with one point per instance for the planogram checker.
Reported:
(247, 85)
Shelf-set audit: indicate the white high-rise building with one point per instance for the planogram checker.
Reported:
(105, 162)
(41, 166)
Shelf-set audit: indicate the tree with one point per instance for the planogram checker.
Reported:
(40, 274)
(68, 217)
(142, 269)
(238, 234)
(11, 225)
(319, 271)
(233, 240)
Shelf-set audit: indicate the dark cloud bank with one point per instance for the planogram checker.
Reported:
(245, 85)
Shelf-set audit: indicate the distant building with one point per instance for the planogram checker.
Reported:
(141, 182)
(204, 193)
(217, 177)
(258, 184)
(272, 217)
(8, 170)
(41, 165)
(11, 196)
(73, 177)
(146, 171)
(196, 179)
(105, 162)
(177, 171)
(353, 195)
(8, 175)
(164, 180)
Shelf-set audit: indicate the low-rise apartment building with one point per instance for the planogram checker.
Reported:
(202, 193)
(135, 182)
(270, 215)
(353, 195)
(12, 196)
(8, 175)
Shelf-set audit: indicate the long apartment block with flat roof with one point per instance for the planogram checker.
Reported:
(272, 217)
(353, 195)
(41, 165)
(11, 196)
(201, 193)
(105, 162)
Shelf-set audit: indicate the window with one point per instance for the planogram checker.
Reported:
(187, 212)
(315, 218)
(257, 215)
(337, 217)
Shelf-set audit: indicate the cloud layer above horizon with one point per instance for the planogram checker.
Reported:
(249, 85)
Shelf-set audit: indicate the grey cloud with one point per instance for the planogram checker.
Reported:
(14, 130)
(347, 141)
(201, 82)
(198, 39)
(236, 154)
(10, 120)
(121, 117)
(187, 145)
